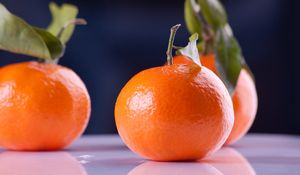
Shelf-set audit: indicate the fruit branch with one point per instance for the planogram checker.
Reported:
(177, 47)
(207, 33)
(77, 21)
(173, 31)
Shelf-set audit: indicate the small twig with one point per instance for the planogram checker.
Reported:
(173, 31)
(77, 21)
(177, 47)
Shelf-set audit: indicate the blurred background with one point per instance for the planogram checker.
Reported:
(124, 37)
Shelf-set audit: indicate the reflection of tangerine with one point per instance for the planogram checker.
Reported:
(42, 106)
(179, 168)
(174, 112)
(244, 97)
(25, 163)
(226, 161)
(229, 161)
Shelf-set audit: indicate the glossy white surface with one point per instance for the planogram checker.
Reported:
(107, 155)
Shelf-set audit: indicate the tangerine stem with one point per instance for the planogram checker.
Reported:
(173, 31)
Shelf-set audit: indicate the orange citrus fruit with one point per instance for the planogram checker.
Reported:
(244, 97)
(42, 106)
(174, 112)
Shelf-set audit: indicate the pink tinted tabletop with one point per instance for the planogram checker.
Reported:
(106, 154)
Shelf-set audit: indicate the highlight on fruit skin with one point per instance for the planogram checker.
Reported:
(43, 106)
(174, 112)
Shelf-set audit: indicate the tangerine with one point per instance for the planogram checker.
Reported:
(42, 106)
(174, 112)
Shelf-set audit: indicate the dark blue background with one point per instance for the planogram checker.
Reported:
(125, 36)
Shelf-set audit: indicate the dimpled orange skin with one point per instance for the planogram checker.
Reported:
(244, 98)
(176, 112)
(42, 106)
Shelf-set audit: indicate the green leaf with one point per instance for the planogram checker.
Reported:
(55, 50)
(212, 10)
(191, 50)
(19, 37)
(229, 59)
(191, 20)
(214, 13)
(60, 17)
(200, 46)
